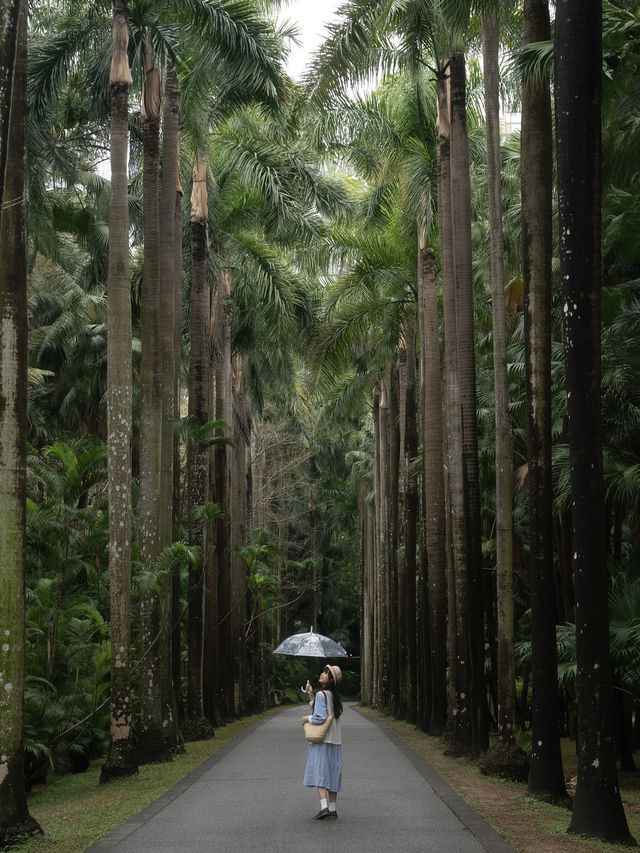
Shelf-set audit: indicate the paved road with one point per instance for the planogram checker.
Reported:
(249, 798)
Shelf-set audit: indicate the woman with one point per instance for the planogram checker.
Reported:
(324, 762)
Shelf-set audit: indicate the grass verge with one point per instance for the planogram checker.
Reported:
(76, 811)
(528, 825)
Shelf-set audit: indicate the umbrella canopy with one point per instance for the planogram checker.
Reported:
(310, 645)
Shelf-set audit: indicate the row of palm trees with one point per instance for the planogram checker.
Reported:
(369, 37)
(263, 188)
(438, 394)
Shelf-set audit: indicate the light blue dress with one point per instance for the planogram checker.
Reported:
(324, 762)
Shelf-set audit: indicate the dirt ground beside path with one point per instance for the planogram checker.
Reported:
(528, 825)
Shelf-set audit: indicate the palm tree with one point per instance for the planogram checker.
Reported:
(14, 814)
(199, 416)
(545, 774)
(267, 192)
(359, 44)
(459, 719)
(407, 569)
(504, 464)
(465, 353)
(221, 367)
(433, 497)
(170, 285)
(121, 757)
(151, 746)
(8, 53)
(598, 810)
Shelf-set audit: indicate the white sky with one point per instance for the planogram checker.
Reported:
(310, 16)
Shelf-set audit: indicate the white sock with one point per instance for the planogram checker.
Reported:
(332, 807)
(323, 804)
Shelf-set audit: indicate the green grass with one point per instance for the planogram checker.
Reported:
(76, 811)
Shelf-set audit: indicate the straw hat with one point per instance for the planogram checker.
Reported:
(336, 672)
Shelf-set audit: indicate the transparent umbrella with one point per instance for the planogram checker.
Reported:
(310, 645)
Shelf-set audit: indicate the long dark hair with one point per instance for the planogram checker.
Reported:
(337, 702)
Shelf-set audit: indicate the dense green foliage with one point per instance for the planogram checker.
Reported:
(318, 197)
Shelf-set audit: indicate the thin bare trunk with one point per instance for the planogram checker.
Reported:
(379, 405)
(238, 503)
(504, 465)
(121, 759)
(222, 490)
(545, 770)
(411, 517)
(434, 505)
(459, 718)
(597, 810)
(465, 345)
(15, 820)
(151, 739)
(176, 604)
(197, 453)
(9, 22)
(169, 360)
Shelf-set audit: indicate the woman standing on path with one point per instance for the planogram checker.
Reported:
(324, 762)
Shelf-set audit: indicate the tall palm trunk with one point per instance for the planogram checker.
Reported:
(393, 491)
(367, 589)
(222, 348)
(434, 506)
(380, 525)
(151, 739)
(402, 628)
(461, 235)
(199, 415)
(411, 521)
(545, 770)
(211, 677)
(258, 457)
(459, 731)
(121, 757)
(14, 814)
(597, 810)
(504, 465)
(169, 359)
(176, 583)
(9, 22)
(238, 504)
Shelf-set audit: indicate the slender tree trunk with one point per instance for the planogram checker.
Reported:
(210, 660)
(597, 810)
(459, 717)
(366, 595)
(151, 739)
(222, 347)
(402, 629)
(461, 232)
(423, 708)
(121, 759)
(411, 521)
(545, 772)
(176, 584)
(504, 465)
(15, 819)
(238, 582)
(169, 359)
(258, 464)
(197, 453)
(434, 506)
(9, 22)
(393, 492)
(380, 413)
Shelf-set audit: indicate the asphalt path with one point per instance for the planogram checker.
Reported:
(249, 797)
